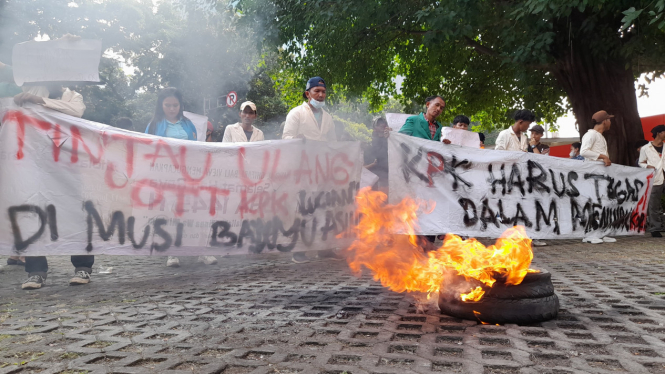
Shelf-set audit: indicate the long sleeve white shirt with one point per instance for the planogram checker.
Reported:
(301, 121)
(508, 141)
(650, 157)
(235, 134)
(593, 145)
(70, 103)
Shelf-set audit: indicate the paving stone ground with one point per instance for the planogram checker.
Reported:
(264, 314)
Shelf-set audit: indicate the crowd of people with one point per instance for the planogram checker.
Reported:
(311, 121)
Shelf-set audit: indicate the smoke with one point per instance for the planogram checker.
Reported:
(203, 47)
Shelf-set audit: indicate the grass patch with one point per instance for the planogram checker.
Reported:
(69, 355)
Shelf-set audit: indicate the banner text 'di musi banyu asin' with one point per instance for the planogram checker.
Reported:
(71, 186)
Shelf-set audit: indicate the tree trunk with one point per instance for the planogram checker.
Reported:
(593, 85)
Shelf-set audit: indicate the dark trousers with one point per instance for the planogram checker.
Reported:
(655, 209)
(39, 266)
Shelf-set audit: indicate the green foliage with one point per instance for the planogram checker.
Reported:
(486, 58)
(355, 131)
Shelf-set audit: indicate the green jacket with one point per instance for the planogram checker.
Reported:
(419, 127)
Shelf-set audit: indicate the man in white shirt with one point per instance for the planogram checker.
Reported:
(594, 148)
(514, 138)
(244, 131)
(310, 120)
(594, 145)
(651, 157)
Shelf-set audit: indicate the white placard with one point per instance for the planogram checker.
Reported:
(59, 60)
(461, 137)
(396, 120)
(201, 124)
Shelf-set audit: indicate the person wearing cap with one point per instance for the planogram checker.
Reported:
(594, 148)
(575, 151)
(310, 120)
(651, 157)
(244, 131)
(535, 146)
(512, 138)
(425, 125)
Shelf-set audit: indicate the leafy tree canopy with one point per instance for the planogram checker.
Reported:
(486, 57)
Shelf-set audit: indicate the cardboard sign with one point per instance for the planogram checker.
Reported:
(481, 193)
(57, 61)
(72, 186)
(396, 120)
(461, 137)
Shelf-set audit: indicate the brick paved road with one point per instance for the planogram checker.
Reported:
(264, 314)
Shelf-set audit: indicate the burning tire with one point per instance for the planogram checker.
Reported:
(534, 285)
(529, 302)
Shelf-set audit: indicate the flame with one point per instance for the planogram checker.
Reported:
(400, 264)
(474, 295)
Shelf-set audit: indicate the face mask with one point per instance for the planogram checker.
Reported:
(572, 154)
(317, 104)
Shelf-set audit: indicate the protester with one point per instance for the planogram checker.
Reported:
(512, 139)
(482, 140)
(170, 122)
(575, 151)
(378, 153)
(425, 125)
(310, 120)
(594, 147)
(53, 96)
(68, 102)
(243, 131)
(209, 131)
(535, 146)
(651, 157)
(638, 146)
(462, 122)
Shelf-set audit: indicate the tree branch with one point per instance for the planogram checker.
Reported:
(480, 48)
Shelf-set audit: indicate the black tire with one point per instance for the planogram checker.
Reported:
(492, 310)
(533, 286)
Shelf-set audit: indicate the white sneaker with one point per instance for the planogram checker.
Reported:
(208, 260)
(592, 240)
(173, 262)
(538, 243)
(607, 239)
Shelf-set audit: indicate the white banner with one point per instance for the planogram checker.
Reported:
(481, 193)
(72, 186)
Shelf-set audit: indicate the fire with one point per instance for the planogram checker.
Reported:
(399, 262)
